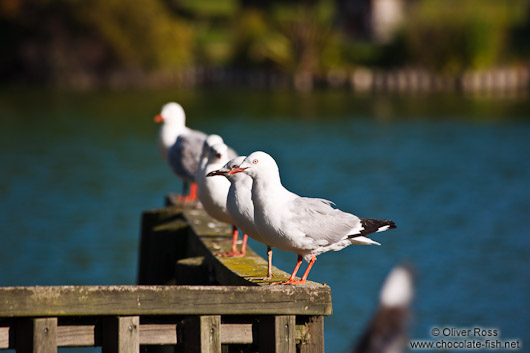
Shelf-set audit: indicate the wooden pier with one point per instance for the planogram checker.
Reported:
(186, 300)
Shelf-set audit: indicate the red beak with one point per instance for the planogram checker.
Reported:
(235, 170)
(158, 119)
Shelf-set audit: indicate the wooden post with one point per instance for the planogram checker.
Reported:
(163, 241)
(36, 335)
(4, 337)
(313, 340)
(121, 335)
(202, 334)
(277, 334)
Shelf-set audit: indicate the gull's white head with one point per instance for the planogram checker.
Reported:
(217, 153)
(398, 289)
(213, 140)
(171, 114)
(258, 164)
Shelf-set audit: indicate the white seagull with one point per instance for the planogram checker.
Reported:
(179, 145)
(210, 141)
(387, 331)
(213, 193)
(239, 204)
(303, 225)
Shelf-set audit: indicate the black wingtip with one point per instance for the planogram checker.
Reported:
(371, 225)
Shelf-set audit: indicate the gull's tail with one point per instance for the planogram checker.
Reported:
(371, 225)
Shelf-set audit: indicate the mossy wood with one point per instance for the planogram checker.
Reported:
(162, 300)
(218, 300)
(189, 233)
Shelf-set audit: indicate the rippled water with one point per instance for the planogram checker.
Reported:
(78, 170)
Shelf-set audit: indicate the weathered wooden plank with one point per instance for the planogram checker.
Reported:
(164, 300)
(277, 334)
(45, 335)
(36, 335)
(193, 271)
(158, 334)
(121, 335)
(4, 337)
(210, 333)
(202, 334)
(312, 340)
(162, 242)
(204, 225)
(76, 336)
(236, 334)
(211, 237)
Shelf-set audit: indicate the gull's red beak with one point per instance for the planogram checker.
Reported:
(158, 119)
(235, 170)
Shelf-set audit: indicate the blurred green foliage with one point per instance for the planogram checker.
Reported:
(45, 40)
(450, 36)
(141, 33)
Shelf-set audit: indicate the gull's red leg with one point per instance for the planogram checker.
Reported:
(244, 246)
(234, 252)
(292, 278)
(304, 277)
(192, 194)
(293, 275)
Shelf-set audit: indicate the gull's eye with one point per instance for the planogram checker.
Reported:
(255, 161)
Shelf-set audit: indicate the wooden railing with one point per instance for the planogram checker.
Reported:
(187, 298)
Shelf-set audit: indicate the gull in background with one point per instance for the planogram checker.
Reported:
(180, 146)
(213, 193)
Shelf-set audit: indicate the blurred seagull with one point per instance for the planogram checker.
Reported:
(303, 225)
(180, 146)
(239, 204)
(209, 142)
(213, 192)
(387, 331)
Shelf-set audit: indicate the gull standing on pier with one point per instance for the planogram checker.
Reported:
(180, 146)
(213, 193)
(303, 225)
(239, 204)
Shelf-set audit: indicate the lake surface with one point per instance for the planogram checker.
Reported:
(453, 173)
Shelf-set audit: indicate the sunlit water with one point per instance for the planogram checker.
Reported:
(78, 170)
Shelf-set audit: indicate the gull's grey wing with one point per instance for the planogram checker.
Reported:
(184, 155)
(321, 222)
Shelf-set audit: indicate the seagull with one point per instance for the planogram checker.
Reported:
(180, 146)
(213, 193)
(387, 331)
(210, 141)
(303, 225)
(239, 204)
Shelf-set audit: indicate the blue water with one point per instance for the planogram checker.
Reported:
(453, 173)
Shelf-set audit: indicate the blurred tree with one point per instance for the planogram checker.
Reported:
(294, 37)
(81, 43)
(73, 42)
(212, 21)
(143, 34)
(450, 36)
